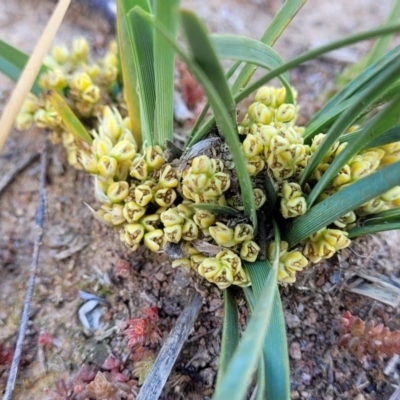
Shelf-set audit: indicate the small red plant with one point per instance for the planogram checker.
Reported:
(364, 339)
(144, 331)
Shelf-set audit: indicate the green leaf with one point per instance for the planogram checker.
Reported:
(128, 67)
(230, 333)
(354, 86)
(342, 202)
(390, 136)
(69, 119)
(376, 87)
(380, 46)
(13, 61)
(216, 209)
(370, 229)
(224, 118)
(204, 54)
(271, 190)
(274, 30)
(141, 35)
(371, 131)
(310, 55)
(383, 217)
(242, 48)
(164, 69)
(234, 382)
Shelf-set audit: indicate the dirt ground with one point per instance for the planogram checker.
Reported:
(80, 254)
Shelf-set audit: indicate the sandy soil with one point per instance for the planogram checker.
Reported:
(312, 306)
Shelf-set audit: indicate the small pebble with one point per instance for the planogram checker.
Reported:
(294, 351)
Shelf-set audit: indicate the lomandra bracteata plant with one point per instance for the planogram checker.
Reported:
(214, 205)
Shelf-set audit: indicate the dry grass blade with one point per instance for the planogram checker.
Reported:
(31, 70)
(161, 369)
(40, 214)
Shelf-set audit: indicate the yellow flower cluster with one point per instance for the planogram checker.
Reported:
(162, 204)
(87, 86)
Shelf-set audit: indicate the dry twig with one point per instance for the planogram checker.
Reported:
(162, 367)
(40, 214)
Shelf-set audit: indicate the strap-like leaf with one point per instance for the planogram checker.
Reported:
(342, 202)
(128, 68)
(12, 62)
(224, 120)
(216, 209)
(235, 47)
(204, 54)
(371, 229)
(141, 35)
(314, 54)
(70, 120)
(377, 86)
(380, 46)
(164, 67)
(383, 217)
(390, 136)
(371, 131)
(355, 85)
(234, 382)
(278, 25)
(230, 333)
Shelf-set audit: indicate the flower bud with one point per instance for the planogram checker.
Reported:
(260, 113)
(266, 95)
(154, 240)
(252, 146)
(201, 165)
(249, 251)
(133, 234)
(154, 157)
(173, 233)
(169, 177)
(143, 195)
(139, 169)
(123, 151)
(196, 260)
(259, 198)
(222, 234)
(182, 263)
(60, 54)
(91, 95)
(118, 191)
(150, 222)
(171, 217)
(165, 197)
(112, 213)
(80, 50)
(285, 113)
(107, 166)
(102, 147)
(133, 212)
(80, 82)
(391, 194)
(190, 231)
(203, 218)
